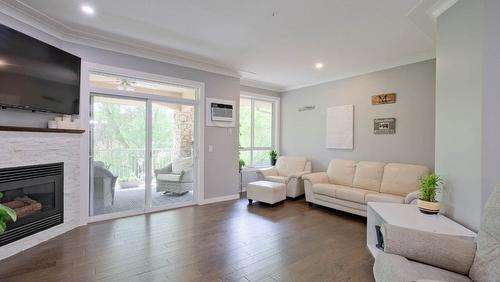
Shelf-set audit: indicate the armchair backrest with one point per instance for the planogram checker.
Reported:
(486, 266)
(180, 165)
(290, 164)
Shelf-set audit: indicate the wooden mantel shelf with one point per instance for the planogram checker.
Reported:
(37, 129)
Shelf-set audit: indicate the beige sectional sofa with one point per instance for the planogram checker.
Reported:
(349, 185)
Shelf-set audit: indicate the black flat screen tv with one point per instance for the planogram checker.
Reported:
(37, 76)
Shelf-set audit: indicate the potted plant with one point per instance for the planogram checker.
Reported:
(6, 213)
(273, 156)
(427, 195)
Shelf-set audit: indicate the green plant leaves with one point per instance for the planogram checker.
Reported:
(5, 214)
(3, 225)
(428, 187)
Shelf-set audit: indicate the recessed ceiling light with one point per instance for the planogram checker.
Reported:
(318, 65)
(88, 9)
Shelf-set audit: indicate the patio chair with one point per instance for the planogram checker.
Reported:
(104, 184)
(176, 178)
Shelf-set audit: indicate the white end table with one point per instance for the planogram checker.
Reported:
(409, 216)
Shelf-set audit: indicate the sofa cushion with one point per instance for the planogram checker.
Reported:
(325, 189)
(401, 179)
(368, 175)
(169, 177)
(352, 194)
(341, 172)
(384, 198)
(278, 179)
(290, 164)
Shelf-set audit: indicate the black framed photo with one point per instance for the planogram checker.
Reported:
(384, 126)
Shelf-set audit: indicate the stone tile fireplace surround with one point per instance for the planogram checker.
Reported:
(31, 148)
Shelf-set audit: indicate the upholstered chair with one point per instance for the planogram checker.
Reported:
(289, 171)
(411, 255)
(176, 177)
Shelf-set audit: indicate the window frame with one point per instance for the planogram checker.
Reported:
(275, 139)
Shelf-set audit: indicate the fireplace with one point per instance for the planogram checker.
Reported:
(35, 193)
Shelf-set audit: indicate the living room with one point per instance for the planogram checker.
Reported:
(249, 141)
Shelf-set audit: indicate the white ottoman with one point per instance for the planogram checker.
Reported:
(266, 191)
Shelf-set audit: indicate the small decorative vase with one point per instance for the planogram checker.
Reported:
(428, 207)
(273, 162)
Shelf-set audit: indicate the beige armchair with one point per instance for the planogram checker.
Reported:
(411, 255)
(289, 171)
(176, 178)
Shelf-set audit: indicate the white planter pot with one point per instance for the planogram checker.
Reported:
(428, 207)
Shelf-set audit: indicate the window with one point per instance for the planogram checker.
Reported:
(257, 129)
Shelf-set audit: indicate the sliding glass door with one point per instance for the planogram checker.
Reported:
(118, 155)
(172, 154)
(142, 149)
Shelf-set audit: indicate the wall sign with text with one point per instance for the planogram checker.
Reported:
(384, 126)
(389, 98)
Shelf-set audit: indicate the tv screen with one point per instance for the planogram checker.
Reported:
(37, 76)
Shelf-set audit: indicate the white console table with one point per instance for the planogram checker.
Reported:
(410, 217)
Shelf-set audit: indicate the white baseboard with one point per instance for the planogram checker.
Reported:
(220, 199)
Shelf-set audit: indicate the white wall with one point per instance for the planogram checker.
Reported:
(303, 133)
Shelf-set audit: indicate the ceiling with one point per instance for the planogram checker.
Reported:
(269, 43)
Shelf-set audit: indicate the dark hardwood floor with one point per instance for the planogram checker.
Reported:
(227, 241)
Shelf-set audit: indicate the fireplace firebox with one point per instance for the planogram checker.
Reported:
(35, 193)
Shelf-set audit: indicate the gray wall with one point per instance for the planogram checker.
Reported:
(221, 166)
(303, 133)
(491, 98)
(467, 103)
(458, 110)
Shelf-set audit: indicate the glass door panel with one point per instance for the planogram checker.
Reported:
(173, 175)
(118, 147)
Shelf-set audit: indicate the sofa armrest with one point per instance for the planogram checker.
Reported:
(412, 197)
(317, 177)
(443, 251)
(264, 172)
(298, 174)
(187, 175)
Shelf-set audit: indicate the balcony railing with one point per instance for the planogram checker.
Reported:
(129, 164)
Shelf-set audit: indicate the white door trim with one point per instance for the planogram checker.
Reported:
(86, 89)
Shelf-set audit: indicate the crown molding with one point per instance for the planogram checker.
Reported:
(66, 34)
(262, 85)
(440, 7)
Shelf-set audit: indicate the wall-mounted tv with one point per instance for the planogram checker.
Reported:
(37, 76)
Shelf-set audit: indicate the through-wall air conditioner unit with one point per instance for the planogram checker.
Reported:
(220, 112)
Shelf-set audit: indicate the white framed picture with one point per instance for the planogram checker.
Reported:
(340, 127)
